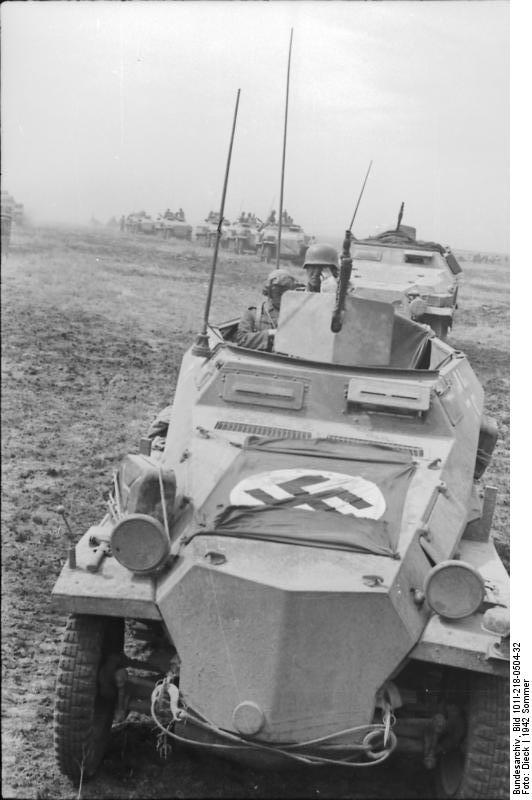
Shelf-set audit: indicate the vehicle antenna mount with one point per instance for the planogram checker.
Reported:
(201, 345)
(346, 265)
(281, 200)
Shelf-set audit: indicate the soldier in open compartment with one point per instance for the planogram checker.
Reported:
(258, 324)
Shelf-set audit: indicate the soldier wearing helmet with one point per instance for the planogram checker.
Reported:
(257, 327)
(320, 257)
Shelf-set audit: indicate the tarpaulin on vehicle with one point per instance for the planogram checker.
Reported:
(312, 492)
(408, 343)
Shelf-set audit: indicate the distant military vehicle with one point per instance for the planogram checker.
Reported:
(6, 216)
(206, 234)
(244, 236)
(18, 213)
(173, 224)
(212, 229)
(146, 224)
(304, 542)
(420, 278)
(294, 242)
(134, 220)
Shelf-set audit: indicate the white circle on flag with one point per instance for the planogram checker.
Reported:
(311, 489)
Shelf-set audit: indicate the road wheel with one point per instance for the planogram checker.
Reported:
(84, 704)
(479, 766)
(440, 326)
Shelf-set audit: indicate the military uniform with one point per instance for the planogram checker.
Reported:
(253, 328)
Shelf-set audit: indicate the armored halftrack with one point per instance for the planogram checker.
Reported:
(304, 541)
(139, 222)
(243, 236)
(206, 234)
(294, 243)
(420, 278)
(172, 224)
(146, 224)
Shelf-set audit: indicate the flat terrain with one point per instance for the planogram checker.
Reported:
(94, 325)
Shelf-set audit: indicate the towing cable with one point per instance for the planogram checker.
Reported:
(380, 734)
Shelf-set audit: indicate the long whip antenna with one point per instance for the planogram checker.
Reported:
(360, 195)
(201, 346)
(284, 152)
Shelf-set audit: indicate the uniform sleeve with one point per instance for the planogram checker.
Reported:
(248, 336)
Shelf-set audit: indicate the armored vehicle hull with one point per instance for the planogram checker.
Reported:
(243, 237)
(206, 234)
(140, 223)
(294, 243)
(173, 229)
(146, 225)
(421, 279)
(306, 546)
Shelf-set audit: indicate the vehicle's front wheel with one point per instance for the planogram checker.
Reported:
(85, 696)
(478, 766)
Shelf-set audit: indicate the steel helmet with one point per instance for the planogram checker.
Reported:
(322, 255)
(281, 277)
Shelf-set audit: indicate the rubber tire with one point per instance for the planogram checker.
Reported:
(82, 717)
(485, 771)
(440, 326)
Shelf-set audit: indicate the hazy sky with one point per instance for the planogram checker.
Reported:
(111, 107)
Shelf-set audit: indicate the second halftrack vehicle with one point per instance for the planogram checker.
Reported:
(303, 544)
(172, 224)
(243, 236)
(206, 234)
(420, 278)
(294, 242)
(139, 222)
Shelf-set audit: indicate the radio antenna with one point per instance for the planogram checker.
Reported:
(201, 346)
(360, 196)
(284, 152)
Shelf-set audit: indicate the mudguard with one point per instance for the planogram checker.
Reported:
(466, 643)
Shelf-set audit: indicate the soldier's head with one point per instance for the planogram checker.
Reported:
(317, 258)
(277, 283)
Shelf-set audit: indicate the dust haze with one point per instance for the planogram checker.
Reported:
(110, 108)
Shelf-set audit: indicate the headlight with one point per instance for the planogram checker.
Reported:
(139, 542)
(454, 590)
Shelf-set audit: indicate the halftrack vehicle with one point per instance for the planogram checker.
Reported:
(139, 222)
(173, 225)
(420, 278)
(304, 542)
(243, 236)
(146, 224)
(206, 234)
(294, 242)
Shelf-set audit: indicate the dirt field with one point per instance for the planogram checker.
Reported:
(94, 325)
